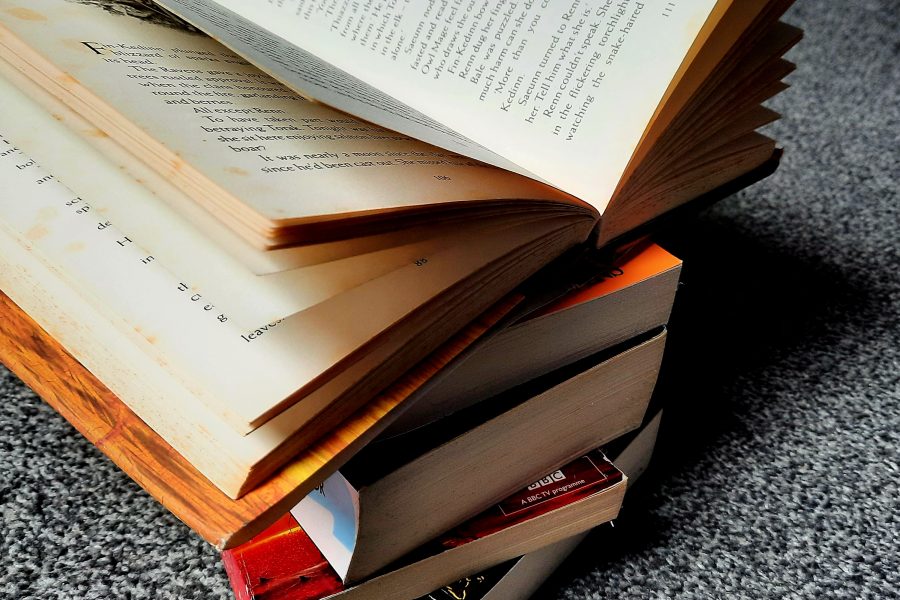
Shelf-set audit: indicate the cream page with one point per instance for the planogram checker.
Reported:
(141, 382)
(205, 117)
(213, 447)
(55, 142)
(240, 373)
(562, 89)
(98, 166)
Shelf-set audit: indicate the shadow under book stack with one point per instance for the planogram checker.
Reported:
(408, 353)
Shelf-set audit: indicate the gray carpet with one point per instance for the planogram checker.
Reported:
(777, 474)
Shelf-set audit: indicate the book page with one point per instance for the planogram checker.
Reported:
(222, 129)
(244, 374)
(147, 387)
(321, 81)
(165, 236)
(99, 166)
(564, 90)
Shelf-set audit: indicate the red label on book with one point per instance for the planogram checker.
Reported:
(579, 479)
(574, 476)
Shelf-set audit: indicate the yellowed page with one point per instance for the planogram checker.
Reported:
(206, 118)
(60, 154)
(165, 236)
(241, 373)
(564, 90)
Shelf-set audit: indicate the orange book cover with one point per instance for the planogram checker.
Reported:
(637, 265)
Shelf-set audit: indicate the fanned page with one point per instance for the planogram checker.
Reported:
(74, 149)
(231, 461)
(246, 148)
(244, 373)
(107, 346)
(562, 90)
(213, 273)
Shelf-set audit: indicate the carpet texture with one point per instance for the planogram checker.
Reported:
(777, 471)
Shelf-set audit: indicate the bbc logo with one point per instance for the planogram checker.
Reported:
(549, 479)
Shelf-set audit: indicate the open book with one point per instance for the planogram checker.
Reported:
(258, 266)
(620, 105)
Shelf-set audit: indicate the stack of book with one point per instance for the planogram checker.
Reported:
(373, 348)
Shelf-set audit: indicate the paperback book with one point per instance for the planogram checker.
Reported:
(277, 564)
(570, 500)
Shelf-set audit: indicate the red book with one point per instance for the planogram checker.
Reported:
(281, 562)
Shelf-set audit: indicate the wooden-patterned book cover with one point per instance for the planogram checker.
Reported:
(45, 366)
